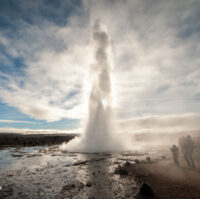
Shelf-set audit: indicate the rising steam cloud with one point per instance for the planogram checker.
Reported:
(98, 135)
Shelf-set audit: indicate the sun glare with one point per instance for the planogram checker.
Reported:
(104, 102)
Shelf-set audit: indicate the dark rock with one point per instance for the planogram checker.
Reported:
(121, 170)
(163, 157)
(16, 155)
(68, 187)
(88, 184)
(127, 164)
(148, 159)
(6, 191)
(137, 161)
(146, 190)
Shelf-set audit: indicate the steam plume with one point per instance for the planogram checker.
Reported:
(99, 129)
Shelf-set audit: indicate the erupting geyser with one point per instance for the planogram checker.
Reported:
(98, 136)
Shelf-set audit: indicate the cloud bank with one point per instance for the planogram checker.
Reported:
(185, 123)
(161, 124)
(39, 131)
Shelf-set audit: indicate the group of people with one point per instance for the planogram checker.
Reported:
(187, 148)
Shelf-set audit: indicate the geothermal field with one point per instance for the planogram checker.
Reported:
(99, 99)
(99, 163)
(48, 172)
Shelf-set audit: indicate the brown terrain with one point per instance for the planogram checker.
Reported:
(14, 139)
(167, 180)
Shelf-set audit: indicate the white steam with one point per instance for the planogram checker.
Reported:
(98, 135)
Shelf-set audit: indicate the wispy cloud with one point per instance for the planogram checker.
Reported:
(38, 131)
(17, 121)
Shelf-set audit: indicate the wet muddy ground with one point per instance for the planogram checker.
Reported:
(46, 172)
(169, 181)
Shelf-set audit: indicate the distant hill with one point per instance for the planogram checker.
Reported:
(14, 139)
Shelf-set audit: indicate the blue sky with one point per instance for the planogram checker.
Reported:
(23, 121)
(45, 54)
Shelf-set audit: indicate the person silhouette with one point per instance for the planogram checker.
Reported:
(175, 152)
(189, 150)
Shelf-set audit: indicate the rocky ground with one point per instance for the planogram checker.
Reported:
(46, 172)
